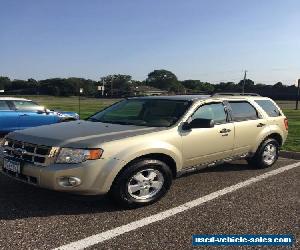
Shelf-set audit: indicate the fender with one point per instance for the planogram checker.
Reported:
(264, 134)
(153, 147)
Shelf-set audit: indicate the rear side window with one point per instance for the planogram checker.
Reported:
(243, 111)
(269, 107)
(4, 106)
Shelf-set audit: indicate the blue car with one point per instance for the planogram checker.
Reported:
(19, 113)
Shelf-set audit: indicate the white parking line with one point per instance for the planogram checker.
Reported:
(98, 238)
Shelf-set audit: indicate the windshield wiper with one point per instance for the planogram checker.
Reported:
(92, 119)
(119, 122)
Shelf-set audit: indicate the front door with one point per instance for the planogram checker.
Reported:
(31, 115)
(204, 145)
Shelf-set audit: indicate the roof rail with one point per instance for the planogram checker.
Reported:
(235, 94)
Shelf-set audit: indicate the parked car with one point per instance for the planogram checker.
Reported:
(19, 113)
(134, 148)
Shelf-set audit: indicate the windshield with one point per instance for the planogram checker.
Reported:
(143, 112)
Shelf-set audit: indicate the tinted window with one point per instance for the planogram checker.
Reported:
(269, 107)
(242, 111)
(143, 112)
(214, 111)
(27, 105)
(4, 106)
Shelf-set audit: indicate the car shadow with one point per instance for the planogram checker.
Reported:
(240, 165)
(19, 200)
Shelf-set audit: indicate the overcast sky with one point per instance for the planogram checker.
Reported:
(209, 40)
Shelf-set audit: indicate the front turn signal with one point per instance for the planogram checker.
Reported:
(95, 154)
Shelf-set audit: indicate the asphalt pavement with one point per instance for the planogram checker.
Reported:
(33, 218)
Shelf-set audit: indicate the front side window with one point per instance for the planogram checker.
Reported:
(243, 111)
(143, 112)
(27, 106)
(269, 107)
(214, 111)
(4, 106)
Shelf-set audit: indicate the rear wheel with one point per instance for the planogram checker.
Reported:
(142, 183)
(266, 155)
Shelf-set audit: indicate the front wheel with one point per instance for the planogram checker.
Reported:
(142, 183)
(266, 155)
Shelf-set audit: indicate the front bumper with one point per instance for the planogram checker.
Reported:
(96, 176)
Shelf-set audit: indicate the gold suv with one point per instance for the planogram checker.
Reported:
(134, 148)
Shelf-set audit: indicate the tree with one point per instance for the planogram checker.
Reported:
(228, 87)
(19, 84)
(164, 79)
(206, 86)
(117, 84)
(278, 85)
(122, 85)
(32, 81)
(198, 86)
(4, 82)
(89, 86)
(249, 85)
(57, 87)
(191, 84)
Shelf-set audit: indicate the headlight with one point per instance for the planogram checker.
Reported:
(72, 155)
(3, 142)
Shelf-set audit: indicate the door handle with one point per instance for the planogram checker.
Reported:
(224, 130)
(24, 115)
(259, 125)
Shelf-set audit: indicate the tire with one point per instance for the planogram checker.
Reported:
(266, 155)
(142, 183)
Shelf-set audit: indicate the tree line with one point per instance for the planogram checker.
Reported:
(123, 85)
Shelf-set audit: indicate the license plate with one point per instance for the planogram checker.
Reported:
(13, 166)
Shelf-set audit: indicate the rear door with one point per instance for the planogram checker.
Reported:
(204, 145)
(249, 125)
(8, 118)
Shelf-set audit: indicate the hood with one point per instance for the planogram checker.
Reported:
(80, 134)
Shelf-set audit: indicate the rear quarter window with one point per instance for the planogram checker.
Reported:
(269, 107)
(243, 111)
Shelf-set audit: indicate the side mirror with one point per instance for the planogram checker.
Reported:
(198, 123)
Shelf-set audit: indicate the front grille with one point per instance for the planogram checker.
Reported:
(22, 177)
(35, 154)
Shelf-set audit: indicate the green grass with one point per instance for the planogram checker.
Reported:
(293, 141)
(88, 106)
(92, 105)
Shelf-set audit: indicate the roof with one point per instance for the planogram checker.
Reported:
(13, 99)
(197, 97)
(175, 97)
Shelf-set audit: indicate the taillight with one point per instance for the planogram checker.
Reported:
(286, 123)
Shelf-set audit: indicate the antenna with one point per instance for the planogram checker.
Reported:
(244, 83)
(298, 94)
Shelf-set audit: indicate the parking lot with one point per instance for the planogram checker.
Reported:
(33, 218)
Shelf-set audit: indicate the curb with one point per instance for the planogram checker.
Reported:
(290, 154)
